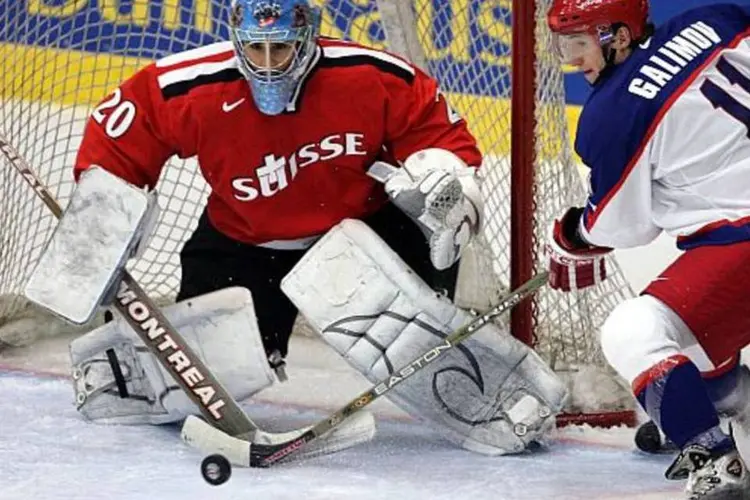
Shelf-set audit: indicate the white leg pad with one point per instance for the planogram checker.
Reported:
(117, 380)
(491, 394)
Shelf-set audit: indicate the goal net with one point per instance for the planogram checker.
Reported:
(496, 69)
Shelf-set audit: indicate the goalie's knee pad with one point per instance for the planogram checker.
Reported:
(490, 394)
(117, 379)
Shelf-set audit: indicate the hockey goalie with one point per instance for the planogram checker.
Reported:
(492, 394)
(370, 258)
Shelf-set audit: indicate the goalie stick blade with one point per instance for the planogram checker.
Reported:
(209, 440)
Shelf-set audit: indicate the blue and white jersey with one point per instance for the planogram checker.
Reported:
(666, 135)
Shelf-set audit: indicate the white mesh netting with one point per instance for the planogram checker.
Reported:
(59, 60)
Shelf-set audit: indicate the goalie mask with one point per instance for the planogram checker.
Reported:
(275, 41)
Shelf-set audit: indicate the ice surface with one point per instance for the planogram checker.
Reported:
(48, 452)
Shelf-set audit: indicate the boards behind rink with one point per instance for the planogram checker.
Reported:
(59, 61)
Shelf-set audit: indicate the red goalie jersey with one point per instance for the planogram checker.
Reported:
(275, 177)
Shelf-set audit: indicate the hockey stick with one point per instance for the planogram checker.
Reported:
(265, 455)
(214, 402)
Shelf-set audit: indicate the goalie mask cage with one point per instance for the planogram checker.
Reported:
(497, 70)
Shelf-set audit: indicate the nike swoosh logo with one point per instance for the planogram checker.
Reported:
(226, 107)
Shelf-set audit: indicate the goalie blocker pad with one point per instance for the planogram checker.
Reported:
(490, 394)
(117, 380)
(97, 233)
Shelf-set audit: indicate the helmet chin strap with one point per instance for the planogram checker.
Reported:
(609, 55)
(606, 38)
(609, 60)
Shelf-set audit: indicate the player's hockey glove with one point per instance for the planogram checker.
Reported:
(437, 190)
(573, 263)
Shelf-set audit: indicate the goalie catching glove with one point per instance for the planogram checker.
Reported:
(573, 263)
(441, 193)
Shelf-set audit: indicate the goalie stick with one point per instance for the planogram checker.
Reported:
(216, 405)
(265, 455)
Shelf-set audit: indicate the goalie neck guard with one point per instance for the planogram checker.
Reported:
(274, 40)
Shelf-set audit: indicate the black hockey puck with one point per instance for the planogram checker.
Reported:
(648, 438)
(216, 469)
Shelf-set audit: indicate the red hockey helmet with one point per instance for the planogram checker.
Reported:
(597, 16)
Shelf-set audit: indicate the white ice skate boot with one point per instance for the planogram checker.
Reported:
(711, 477)
(735, 407)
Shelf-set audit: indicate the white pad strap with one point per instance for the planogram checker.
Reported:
(98, 232)
(490, 394)
(117, 380)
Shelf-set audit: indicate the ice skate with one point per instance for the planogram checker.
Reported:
(711, 477)
(735, 407)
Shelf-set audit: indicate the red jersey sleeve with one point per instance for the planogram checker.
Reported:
(418, 117)
(131, 132)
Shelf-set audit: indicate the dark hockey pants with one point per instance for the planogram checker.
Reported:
(212, 261)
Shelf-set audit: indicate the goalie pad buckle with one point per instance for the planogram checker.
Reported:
(98, 232)
(116, 374)
(490, 394)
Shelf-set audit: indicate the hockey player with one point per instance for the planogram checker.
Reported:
(665, 136)
(287, 129)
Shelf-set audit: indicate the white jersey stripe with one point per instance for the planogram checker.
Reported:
(198, 53)
(341, 52)
(191, 72)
